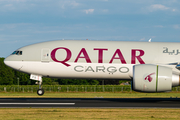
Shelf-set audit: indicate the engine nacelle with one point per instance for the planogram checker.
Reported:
(154, 78)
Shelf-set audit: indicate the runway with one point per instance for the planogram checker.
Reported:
(90, 102)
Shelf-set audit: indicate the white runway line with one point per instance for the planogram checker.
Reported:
(37, 103)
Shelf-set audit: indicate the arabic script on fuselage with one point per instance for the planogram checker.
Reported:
(172, 52)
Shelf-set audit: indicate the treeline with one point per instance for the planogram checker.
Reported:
(9, 76)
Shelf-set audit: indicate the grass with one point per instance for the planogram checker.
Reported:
(86, 114)
(90, 95)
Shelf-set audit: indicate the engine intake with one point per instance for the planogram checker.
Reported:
(154, 78)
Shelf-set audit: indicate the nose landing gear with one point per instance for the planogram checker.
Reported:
(40, 91)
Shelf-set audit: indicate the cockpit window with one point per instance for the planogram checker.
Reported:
(17, 53)
(20, 52)
(14, 52)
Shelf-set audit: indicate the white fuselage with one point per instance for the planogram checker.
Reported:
(92, 59)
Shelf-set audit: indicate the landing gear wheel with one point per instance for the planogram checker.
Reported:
(40, 92)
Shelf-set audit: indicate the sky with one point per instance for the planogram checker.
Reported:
(24, 22)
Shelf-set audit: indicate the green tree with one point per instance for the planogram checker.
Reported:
(77, 82)
(24, 79)
(6, 74)
(50, 81)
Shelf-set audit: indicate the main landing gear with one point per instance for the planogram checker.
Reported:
(40, 91)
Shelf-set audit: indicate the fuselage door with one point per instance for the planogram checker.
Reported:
(45, 55)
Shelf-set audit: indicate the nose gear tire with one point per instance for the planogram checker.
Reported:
(40, 92)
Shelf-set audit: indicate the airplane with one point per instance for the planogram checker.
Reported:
(152, 66)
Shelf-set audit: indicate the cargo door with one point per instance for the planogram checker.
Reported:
(45, 55)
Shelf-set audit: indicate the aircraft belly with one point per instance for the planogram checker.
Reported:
(79, 70)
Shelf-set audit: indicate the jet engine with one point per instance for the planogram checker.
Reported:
(154, 78)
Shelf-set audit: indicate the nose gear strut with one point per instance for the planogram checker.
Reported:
(40, 91)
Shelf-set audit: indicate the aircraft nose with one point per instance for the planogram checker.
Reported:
(5, 62)
(13, 64)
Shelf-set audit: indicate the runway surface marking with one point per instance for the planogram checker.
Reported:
(37, 103)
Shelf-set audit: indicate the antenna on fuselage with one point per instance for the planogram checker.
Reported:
(150, 40)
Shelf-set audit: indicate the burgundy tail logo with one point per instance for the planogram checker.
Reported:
(149, 78)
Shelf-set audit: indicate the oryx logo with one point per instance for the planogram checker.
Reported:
(148, 77)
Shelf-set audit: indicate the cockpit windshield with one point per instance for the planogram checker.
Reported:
(17, 53)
